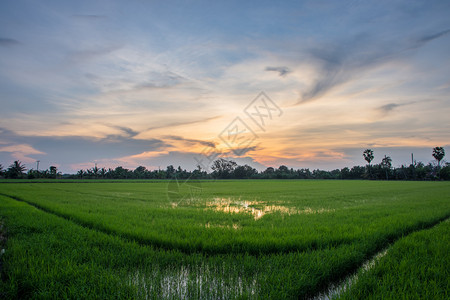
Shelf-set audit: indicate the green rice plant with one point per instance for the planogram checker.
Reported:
(127, 240)
(416, 267)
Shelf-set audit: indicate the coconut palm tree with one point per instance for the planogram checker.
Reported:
(386, 163)
(438, 154)
(368, 156)
(16, 170)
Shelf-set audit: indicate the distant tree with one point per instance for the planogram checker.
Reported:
(139, 172)
(53, 171)
(103, 172)
(268, 173)
(438, 154)
(345, 173)
(445, 172)
(16, 170)
(245, 171)
(121, 172)
(170, 171)
(95, 171)
(368, 156)
(1, 170)
(269, 170)
(223, 168)
(80, 174)
(282, 172)
(386, 164)
(357, 172)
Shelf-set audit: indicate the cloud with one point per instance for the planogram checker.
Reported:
(429, 38)
(341, 62)
(69, 150)
(191, 141)
(282, 71)
(21, 152)
(8, 42)
(88, 17)
(389, 107)
(126, 130)
(240, 151)
(90, 54)
(162, 80)
(176, 124)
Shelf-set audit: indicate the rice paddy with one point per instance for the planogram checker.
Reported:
(232, 239)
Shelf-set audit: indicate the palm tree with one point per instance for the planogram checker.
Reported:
(1, 170)
(438, 154)
(386, 163)
(103, 172)
(53, 171)
(17, 169)
(95, 171)
(368, 156)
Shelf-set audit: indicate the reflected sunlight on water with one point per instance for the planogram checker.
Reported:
(257, 208)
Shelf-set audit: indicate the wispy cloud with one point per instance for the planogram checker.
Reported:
(89, 17)
(339, 63)
(89, 54)
(190, 141)
(184, 123)
(126, 130)
(8, 42)
(21, 152)
(241, 151)
(428, 38)
(282, 71)
(77, 149)
(389, 107)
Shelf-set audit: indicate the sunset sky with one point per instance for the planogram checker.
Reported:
(155, 83)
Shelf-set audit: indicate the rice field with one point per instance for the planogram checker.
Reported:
(261, 239)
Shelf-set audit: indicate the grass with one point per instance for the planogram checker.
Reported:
(416, 267)
(126, 239)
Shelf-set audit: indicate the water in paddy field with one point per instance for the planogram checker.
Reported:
(184, 283)
(335, 290)
(257, 208)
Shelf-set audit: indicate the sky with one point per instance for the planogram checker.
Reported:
(306, 84)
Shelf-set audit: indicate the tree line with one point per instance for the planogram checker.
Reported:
(228, 169)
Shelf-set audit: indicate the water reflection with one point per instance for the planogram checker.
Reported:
(334, 290)
(257, 208)
(201, 283)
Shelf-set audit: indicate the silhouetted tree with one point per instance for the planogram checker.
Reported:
(53, 171)
(103, 172)
(244, 172)
(386, 164)
(16, 170)
(368, 156)
(282, 172)
(121, 172)
(438, 154)
(223, 168)
(170, 171)
(140, 172)
(95, 171)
